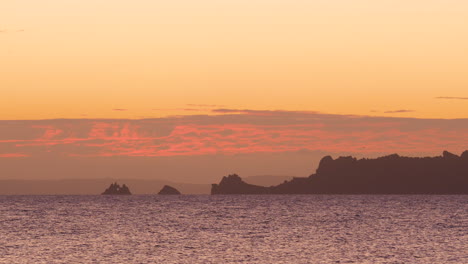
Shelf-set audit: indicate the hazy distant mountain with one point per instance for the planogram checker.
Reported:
(168, 190)
(393, 174)
(267, 180)
(93, 186)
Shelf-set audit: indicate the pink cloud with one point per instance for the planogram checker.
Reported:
(399, 111)
(452, 98)
(276, 131)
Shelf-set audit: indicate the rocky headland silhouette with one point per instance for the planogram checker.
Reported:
(116, 189)
(168, 190)
(393, 174)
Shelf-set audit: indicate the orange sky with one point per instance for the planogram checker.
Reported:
(83, 58)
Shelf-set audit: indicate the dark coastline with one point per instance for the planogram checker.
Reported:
(393, 174)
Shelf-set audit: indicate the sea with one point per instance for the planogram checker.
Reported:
(234, 229)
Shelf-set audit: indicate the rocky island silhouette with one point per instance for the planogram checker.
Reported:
(168, 190)
(116, 189)
(393, 174)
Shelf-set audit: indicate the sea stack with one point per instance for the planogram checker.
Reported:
(168, 190)
(116, 189)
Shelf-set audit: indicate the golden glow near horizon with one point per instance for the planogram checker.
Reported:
(83, 59)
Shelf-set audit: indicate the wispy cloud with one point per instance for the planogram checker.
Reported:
(182, 109)
(263, 112)
(192, 109)
(226, 110)
(119, 109)
(452, 98)
(399, 111)
(232, 132)
(204, 105)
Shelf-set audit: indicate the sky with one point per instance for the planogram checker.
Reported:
(267, 80)
(83, 58)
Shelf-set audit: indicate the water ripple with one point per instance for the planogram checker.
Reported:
(234, 229)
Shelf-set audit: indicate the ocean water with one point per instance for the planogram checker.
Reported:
(234, 229)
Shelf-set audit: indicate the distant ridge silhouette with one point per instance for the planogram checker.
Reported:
(168, 190)
(115, 189)
(393, 174)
